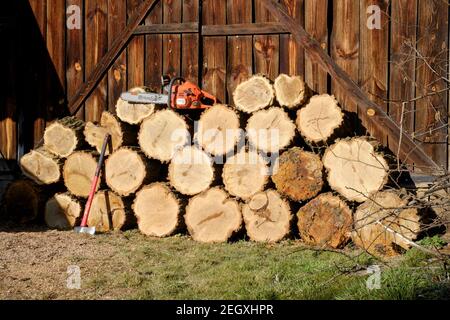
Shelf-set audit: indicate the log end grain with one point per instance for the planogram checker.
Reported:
(78, 172)
(291, 92)
(62, 212)
(41, 167)
(254, 94)
(108, 212)
(134, 113)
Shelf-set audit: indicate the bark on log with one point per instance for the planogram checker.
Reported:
(109, 212)
(158, 210)
(41, 166)
(383, 221)
(355, 170)
(267, 217)
(254, 94)
(126, 170)
(212, 216)
(191, 171)
(325, 221)
(162, 134)
(245, 174)
(218, 130)
(64, 136)
(78, 172)
(134, 113)
(291, 92)
(63, 212)
(270, 130)
(318, 121)
(298, 174)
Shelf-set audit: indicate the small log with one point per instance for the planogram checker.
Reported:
(64, 136)
(134, 113)
(267, 217)
(126, 170)
(191, 171)
(218, 130)
(162, 134)
(78, 172)
(63, 212)
(270, 130)
(298, 174)
(383, 221)
(254, 94)
(325, 221)
(157, 210)
(291, 92)
(245, 174)
(355, 170)
(213, 216)
(109, 212)
(319, 120)
(41, 166)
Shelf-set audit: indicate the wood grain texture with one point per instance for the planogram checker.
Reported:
(292, 55)
(316, 24)
(215, 50)
(190, 45)
(431, 112)
(240, 62)
(172, 10)
(153, 51)
(95, 48)
(136, 58)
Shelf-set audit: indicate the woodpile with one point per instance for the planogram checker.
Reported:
(279, 150)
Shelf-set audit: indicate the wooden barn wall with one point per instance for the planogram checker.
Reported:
(375, 59)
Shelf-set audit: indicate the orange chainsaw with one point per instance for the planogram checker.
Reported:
(181, 94)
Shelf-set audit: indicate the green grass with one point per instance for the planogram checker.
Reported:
(178, 268)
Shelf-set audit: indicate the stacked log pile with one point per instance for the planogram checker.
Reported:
(288, 168)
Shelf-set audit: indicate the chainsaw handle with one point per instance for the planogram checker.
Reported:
(172, 82)
(209, 97)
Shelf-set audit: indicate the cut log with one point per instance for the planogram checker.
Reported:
(291, 92)
(162, 134)
(218, 130)
(63, 212)
(270, 130)
(384, 221)
(41, 166)
(267, 217)
(95, 135)
(157, 210)
(126, 170)
(320, 118)
(108, 212)
(212, 216)
(298, 174)
(191, 171)
(64, 136)
(245, 174)
(134, 113)
(254, 94)
(325, 221)
(78, 172)
(355, 170)
(24, 201)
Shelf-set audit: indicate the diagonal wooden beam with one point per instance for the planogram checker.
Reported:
(409, 149)
(108, 59)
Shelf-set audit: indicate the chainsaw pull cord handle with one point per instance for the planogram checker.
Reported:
(172, 82)
(87, 209)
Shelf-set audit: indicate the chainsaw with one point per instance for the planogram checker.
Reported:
(181, 94)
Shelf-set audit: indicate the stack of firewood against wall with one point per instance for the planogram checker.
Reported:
(289, 167)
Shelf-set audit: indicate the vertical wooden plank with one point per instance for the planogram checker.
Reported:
(172, 42)
(316, 24)
(190, 43)
(292, 55)
(215, 50)
(135, 52)
(75, 54)
(266, 48)
(374, 48)
(117, 75)
(431, 112)
(403, 62)
(96, 46)
(345, 46)
(240, 62)
(153, 52)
